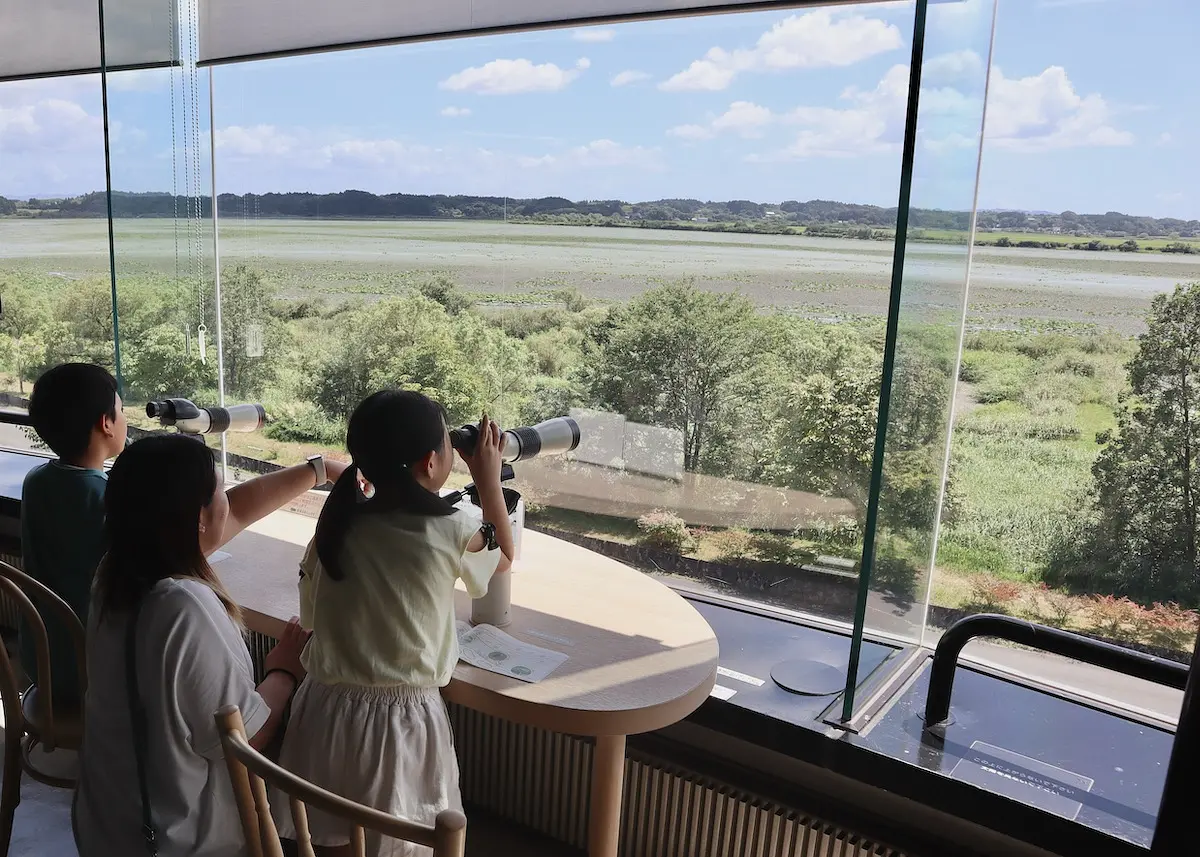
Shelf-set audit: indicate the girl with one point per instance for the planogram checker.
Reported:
(158, 602)
(377, 586)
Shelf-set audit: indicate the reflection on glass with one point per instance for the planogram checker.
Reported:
(893, 597)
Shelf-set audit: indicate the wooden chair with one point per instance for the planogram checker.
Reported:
(250, 772)
(30, 718)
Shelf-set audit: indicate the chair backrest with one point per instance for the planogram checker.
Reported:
(10, 690)
(250, 772)
(22, 591)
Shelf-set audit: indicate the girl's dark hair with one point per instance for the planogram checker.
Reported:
(388, 431)
(156, 491)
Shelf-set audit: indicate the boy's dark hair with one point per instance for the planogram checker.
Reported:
(67, 402)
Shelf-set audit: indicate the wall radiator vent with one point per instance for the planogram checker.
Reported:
(541, 779)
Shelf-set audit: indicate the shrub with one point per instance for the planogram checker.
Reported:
(839, 533)
(1172, 627)
(664, 531)
(304, 422)
(734, 543)
(1055, 605)
(992, 595)
(1116, 617)
(772, 547)
(573, 299)
(445, 291)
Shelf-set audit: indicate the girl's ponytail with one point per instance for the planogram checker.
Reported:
(388, 432)
(334, 521)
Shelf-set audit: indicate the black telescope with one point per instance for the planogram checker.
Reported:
(190, 419)
(552, 437)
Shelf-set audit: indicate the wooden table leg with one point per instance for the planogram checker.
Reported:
(608, 778)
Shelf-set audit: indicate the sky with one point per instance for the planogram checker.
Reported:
(1092, 106)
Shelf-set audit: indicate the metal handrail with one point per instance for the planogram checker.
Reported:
(1053, 640)
(15, 418)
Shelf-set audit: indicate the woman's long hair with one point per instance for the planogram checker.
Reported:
(156, 491)
(388, 432)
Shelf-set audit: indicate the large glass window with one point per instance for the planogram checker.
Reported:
(1071, 496)
(683, 234)
(628, 224)
(53, 238)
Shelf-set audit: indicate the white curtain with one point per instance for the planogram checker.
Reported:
(40, 38)
(243, 29)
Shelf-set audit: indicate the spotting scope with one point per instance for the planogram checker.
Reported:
(190, 419)
(552, 437)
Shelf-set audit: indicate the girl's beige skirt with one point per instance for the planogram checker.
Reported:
(386, 747)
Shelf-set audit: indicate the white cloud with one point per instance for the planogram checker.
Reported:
(624, 78)
(591, 34)
(265, 157)
(1043, 112)
(1032, 114)
(744, 118)
(140, 80)
(455, 111)
(817, 39)
(510, 77)
(691, 132)
(1166, 138)
(51, 137)
(254, 141)
(598, 153)
(50, 125)
(954, 68)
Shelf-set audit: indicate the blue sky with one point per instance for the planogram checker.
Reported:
(1092, 107)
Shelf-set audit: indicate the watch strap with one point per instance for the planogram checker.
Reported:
(317, 463)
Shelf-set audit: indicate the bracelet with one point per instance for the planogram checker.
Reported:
(295, 679)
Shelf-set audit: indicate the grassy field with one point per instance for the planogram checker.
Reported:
(1049, 334)
(525, 265)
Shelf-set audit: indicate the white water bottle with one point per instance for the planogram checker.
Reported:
(495, 608)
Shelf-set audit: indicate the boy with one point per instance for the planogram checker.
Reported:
(76, 411)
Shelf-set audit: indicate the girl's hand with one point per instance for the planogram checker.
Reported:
(286, 654)
(484, 463)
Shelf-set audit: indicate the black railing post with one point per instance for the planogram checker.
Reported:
(1175, 832)
(1075, 646)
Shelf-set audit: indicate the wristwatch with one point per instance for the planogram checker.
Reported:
(317, 463)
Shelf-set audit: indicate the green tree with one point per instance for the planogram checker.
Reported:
(445, 291)
(668, 357)
(1141, 539)
(158, 364)
(407, 342)
(247, 303)
(22, 313)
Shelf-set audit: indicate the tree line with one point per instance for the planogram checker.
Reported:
(698, 213)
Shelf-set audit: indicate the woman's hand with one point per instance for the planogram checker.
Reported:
(286, 654)
(484, 463)
(334, 469)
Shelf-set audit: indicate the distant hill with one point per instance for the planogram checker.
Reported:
(815, 216)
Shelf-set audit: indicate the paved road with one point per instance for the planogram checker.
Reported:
(1101, 684)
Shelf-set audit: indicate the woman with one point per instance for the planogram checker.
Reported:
(165, 512)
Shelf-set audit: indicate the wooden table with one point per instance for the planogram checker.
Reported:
(640, 657)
